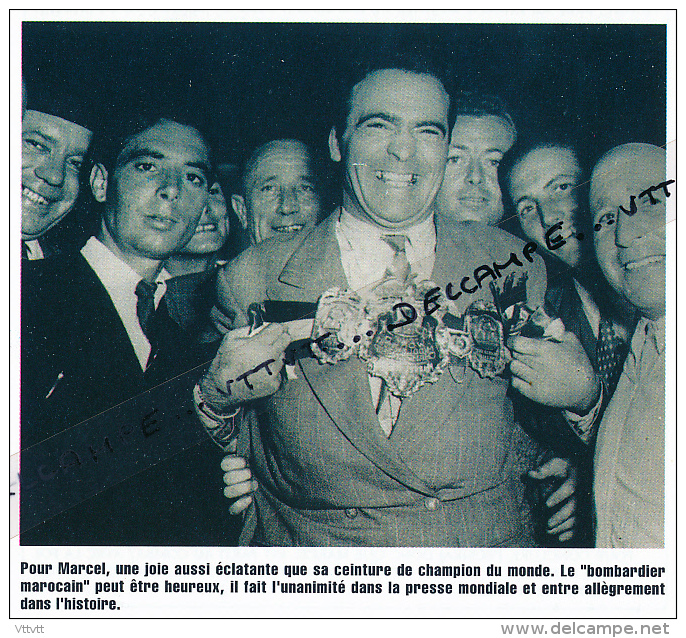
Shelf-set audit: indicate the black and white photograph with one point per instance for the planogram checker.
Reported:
(356, 316)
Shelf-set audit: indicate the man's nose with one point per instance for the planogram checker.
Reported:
(402, 146)
(474, 172)
(51, 170)
(550, 215)
(170, 186)
(628, 228)
(288, 202)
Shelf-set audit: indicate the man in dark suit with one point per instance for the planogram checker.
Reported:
(339, 460)
(111, 449)
(545, 185)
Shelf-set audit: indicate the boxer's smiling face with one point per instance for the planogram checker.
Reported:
(394, 147)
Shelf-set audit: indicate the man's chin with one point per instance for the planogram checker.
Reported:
(397, 216)
(36, 230)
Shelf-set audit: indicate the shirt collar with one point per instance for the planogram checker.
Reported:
(35, 249)
(114, 272)
(422, 235)
(654, 330)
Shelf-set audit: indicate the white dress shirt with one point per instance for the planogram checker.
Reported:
(120, 281)
(629, 482)
(365, 258)
(35, 252)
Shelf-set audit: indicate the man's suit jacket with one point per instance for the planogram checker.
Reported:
(110, 454)
(563, 300)
(327, 473)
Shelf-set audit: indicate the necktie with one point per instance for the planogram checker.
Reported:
(145, 309)
(399, 268)
(387, 405)
(608, 359)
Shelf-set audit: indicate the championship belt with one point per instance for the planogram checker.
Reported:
(409, 347)
(488, 355)
(408, 342)
(340, 325)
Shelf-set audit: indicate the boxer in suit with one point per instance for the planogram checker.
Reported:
(111, 449)
(336, 460)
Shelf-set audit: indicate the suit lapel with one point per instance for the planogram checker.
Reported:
(316, 266)
(100, 323)
(342, 389)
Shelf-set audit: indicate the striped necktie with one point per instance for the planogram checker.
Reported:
(387, 405)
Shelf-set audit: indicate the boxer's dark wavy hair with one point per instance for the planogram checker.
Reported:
(409, 62)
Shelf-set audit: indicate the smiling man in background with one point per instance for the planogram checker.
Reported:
(193, 270)
(56, 134)
(629, 485)
(280, 191)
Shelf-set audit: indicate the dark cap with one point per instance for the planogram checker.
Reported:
(60, 103)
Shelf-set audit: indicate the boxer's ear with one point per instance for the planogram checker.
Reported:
(334, 148)
(98, 182)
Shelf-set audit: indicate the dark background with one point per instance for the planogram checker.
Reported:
(598, 85)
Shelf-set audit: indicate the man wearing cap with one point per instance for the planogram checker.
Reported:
(56, 133)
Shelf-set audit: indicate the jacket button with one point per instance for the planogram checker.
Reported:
(431, 504)
(351, 512)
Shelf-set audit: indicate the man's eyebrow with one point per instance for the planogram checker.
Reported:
(203, 166)
(438, 125)
(394, 119)
(462, 147)
(45, 136)
(136, 153)
(380, 115)
(570, 175)
(264, 178)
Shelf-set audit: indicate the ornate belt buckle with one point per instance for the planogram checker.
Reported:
(406, 353)
(488, 355)
(340, 325)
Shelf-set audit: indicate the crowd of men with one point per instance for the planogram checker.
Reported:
(518, 436)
